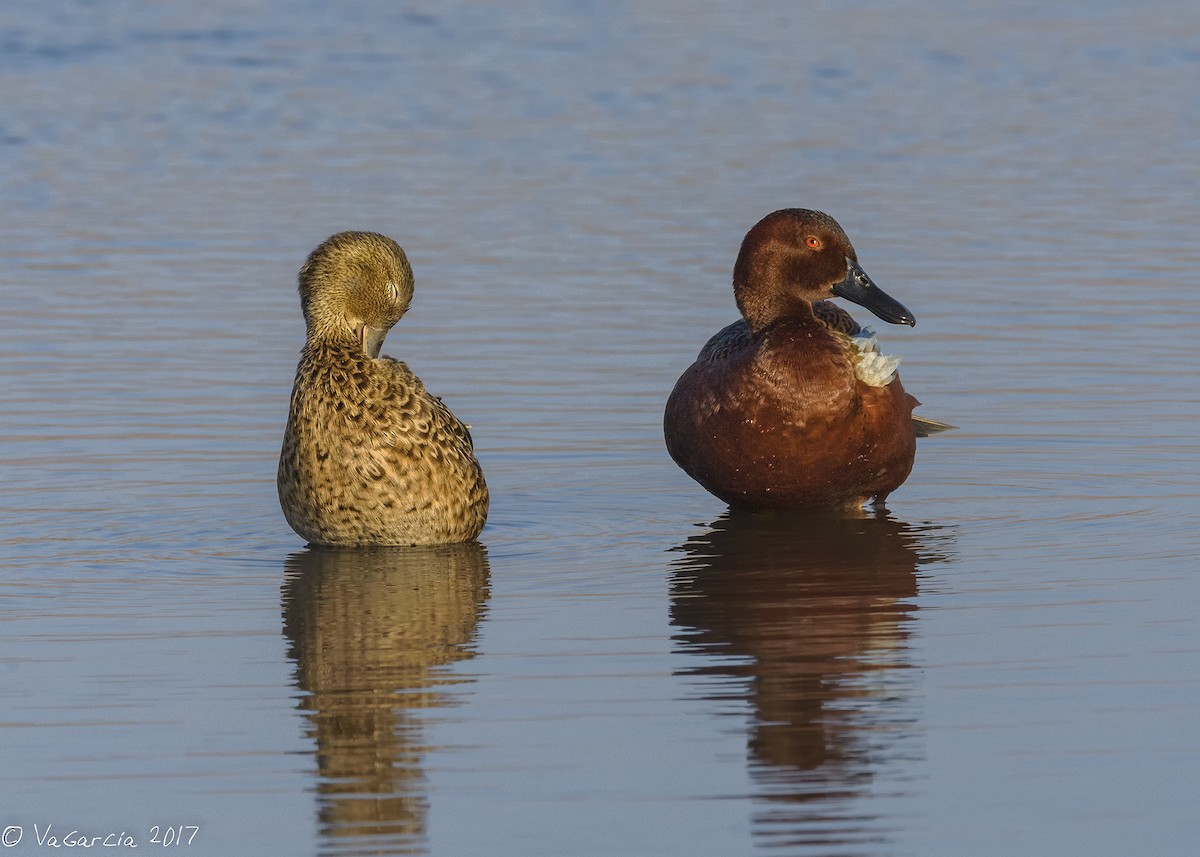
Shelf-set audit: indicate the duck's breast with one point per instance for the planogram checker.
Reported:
(781, 419)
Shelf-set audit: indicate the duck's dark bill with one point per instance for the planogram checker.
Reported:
(372, 339)
(859, 288)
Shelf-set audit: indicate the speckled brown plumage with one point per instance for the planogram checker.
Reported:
(369, 456)
(772, 413)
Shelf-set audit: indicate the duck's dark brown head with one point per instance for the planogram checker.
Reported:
(354, 287)
(796, 256)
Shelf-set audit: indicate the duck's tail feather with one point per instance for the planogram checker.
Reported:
(925, 427)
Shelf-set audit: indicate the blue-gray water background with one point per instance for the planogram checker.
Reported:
(1007, 663)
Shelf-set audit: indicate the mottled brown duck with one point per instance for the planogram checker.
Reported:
(369, 456)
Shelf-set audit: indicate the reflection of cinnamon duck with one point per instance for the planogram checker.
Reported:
(819, 607)
(369, 630)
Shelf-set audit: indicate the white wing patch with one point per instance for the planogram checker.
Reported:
(872, 367)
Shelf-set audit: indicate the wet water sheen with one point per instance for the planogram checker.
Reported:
(1004, 662)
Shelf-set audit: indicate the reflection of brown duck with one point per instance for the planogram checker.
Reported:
(819, 606)
(369, 630)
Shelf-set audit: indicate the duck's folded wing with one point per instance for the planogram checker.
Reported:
(728, 339)
(836, 318)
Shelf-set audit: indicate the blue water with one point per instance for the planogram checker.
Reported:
(1004, 663)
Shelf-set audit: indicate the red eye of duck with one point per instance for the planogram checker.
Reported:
(813, 242)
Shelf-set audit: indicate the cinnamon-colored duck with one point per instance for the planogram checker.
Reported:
(794, 406)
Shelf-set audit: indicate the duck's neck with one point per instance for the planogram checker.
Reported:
(764, 296)
(339, 343)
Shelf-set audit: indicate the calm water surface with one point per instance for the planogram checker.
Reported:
(1005, 662)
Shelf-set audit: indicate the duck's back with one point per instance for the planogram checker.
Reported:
(779, 419)
(371, 457)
